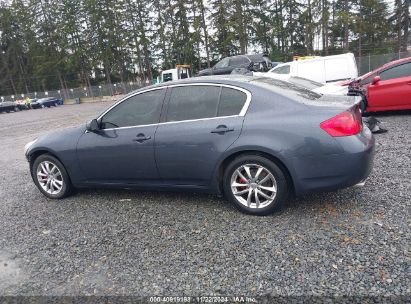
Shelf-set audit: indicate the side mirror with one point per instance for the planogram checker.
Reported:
(92, 126)
(376, 79)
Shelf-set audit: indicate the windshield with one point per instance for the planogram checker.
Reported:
(306, 83)
(284, 69)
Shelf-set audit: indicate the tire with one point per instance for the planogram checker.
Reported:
(16, 109)
(41, 172)
(363, 106)
(43, 106)
(271, 186)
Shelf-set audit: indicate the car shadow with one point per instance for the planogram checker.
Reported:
(184, 198)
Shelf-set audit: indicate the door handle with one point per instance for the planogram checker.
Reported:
(141, 138)
(222, 129)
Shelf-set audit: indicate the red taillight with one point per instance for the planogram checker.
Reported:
(345, 124)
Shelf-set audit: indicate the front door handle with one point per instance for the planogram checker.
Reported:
(222, 129)
(141, 138)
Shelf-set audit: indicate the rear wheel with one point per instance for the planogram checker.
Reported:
(255, 185)
(51, 177)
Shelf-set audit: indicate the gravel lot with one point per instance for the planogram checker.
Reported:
(353, 242)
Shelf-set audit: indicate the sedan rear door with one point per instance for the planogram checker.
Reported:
(200, 124)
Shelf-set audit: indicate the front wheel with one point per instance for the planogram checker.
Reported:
(51, 177)
(255, 185)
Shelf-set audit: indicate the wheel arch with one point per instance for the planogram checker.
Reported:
(35, 154)
(229, 158)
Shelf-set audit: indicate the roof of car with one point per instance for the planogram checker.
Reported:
(392, 63)
(281, 87)
(221, 79)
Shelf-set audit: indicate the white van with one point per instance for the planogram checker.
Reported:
(321, 69)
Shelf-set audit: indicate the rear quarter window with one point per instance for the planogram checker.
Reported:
(232, 102)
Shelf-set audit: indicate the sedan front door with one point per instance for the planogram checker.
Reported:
(122, 151)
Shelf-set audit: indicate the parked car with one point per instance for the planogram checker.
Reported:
(47, 102)
(257, 63)
(11, 106)
(254, 139)
(320, 69)
(386, 88)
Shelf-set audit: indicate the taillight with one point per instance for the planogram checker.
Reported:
(345, 124)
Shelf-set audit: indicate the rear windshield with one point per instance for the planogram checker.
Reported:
(306, 83)
(287, 88)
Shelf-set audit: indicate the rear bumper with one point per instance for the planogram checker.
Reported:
(333, 172)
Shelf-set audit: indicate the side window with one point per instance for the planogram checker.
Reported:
(403, 70)
(223, 63)
(239, 61)
(193, 102)
(231, 102)
(285, 69)
(141, 109)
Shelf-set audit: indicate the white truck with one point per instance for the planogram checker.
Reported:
(325, 69)
(181, 71)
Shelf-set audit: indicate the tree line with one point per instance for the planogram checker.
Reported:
(59, 44)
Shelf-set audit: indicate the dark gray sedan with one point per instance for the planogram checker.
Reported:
(255, 140)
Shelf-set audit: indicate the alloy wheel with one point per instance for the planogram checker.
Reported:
(49, 177)
(254, 186)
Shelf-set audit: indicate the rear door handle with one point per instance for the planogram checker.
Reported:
(141, 138)
(222, 129)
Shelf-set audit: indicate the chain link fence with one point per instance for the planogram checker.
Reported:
(97, 91)
(371, 62)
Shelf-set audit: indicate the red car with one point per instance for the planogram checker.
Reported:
(387, 88)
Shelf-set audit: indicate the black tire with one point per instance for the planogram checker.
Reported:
(66, 188)
(282, 184)
(363, 106)
(16, 109)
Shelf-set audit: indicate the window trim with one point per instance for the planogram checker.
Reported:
(128, 97)
(393, 67)
(167, 98)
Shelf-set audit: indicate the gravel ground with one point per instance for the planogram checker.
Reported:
(354, 242)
